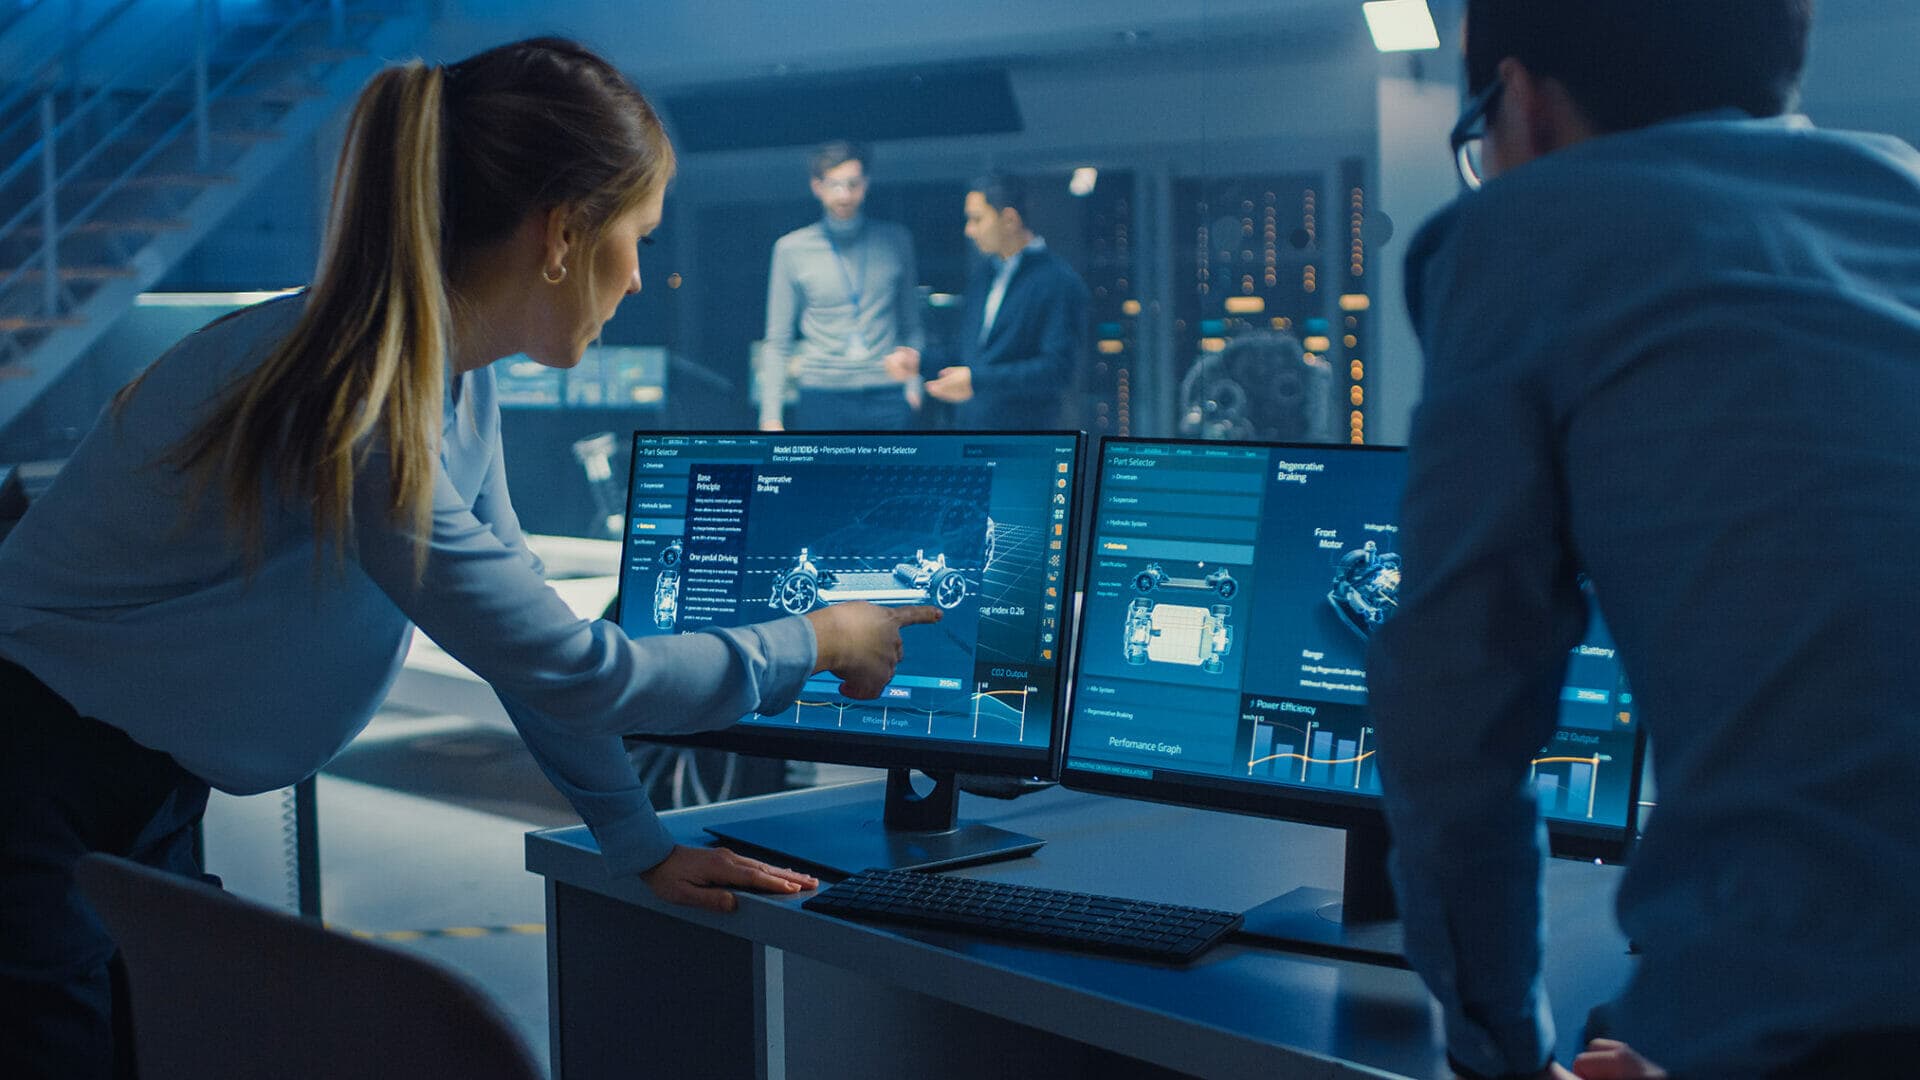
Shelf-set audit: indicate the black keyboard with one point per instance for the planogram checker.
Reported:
(1069, 920)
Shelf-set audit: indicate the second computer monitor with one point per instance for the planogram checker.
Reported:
(1231, 592)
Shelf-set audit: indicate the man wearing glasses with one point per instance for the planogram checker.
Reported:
(846, 284)
(1673, 342)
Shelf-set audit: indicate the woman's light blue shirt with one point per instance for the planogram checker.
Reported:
(133, 600)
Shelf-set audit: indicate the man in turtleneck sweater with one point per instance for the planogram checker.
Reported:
(848, 285)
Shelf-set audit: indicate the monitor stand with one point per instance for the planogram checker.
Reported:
(1360, 922)
(914, 832)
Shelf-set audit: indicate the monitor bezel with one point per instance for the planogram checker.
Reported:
(894, 752)
(1569, 839)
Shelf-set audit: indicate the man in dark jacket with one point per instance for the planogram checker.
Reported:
(1023, 331)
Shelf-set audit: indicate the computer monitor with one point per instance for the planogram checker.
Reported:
(733, 529)
(1231, 589)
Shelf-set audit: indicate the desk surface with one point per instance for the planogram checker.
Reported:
(1239, 1010)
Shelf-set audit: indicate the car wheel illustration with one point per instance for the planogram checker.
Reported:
(948, 588)
(799, 592)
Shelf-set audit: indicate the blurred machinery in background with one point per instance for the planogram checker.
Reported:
(1261, 386)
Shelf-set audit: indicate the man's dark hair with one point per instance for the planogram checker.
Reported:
(1630, 63)
(835, 154)
(1002, 192)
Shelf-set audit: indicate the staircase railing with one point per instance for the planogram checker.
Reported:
(51, 113)
(12, 13)
(61, 50)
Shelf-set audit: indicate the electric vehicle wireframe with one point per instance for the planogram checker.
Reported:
(666, 588)
(1155, 576)
(820, 581)
(808, 585)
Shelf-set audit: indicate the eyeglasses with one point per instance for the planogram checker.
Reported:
(1469, 135)
(846, 186)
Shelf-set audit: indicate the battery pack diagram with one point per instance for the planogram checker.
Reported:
(1190, 635)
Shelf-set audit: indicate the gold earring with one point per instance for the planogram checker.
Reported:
(549, 277)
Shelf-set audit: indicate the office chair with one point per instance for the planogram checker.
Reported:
(224, 987)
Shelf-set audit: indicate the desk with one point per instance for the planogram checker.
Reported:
(639, 988)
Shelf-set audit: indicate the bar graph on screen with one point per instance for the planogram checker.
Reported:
(1566, 787)
(1332, 759)
(1323, 757)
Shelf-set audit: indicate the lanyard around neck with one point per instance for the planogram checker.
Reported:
(855, 279)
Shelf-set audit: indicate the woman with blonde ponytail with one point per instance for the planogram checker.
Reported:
(222, 583)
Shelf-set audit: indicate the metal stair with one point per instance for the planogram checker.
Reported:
(117, 156)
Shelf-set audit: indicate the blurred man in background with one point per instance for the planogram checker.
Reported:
(846, 287)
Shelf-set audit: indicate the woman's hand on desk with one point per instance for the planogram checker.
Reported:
(860, 642)
(706, 878)
(1604, 1059)
(1611, 1059)
(1553, 1071)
